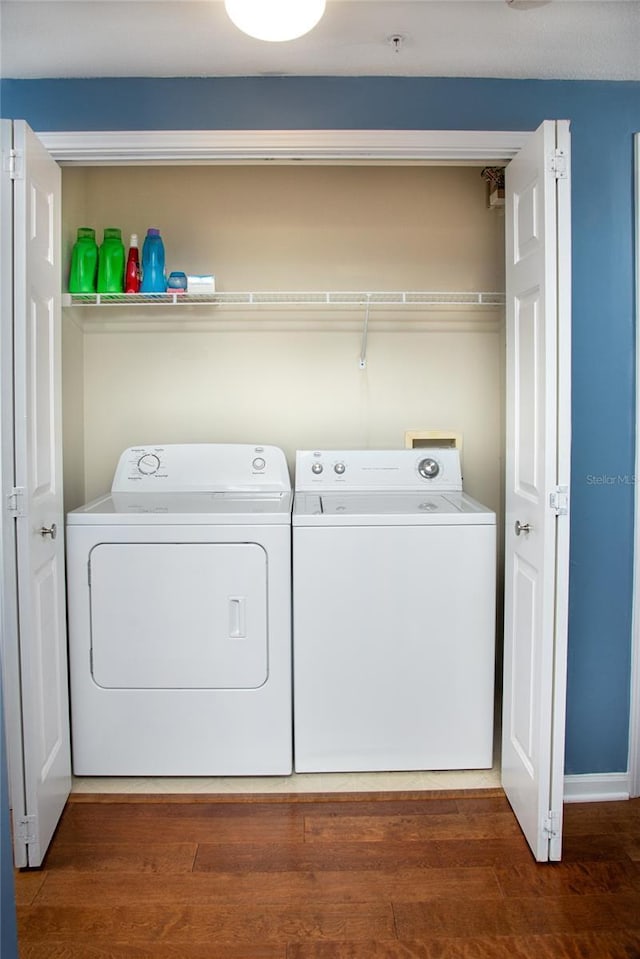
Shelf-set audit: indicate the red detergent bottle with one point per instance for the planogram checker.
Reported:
(132, 269)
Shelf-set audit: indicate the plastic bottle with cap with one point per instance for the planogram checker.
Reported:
(132, 269)
(153, 272)
(84, 262)
(111, 262)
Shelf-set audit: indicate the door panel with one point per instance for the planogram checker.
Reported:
(38, 472)
(525, 600)
(537, 404)
(527, 384)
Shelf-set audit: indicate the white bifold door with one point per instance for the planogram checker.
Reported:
(538, 320)
(34, 646)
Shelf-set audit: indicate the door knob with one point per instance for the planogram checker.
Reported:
(522, 527)
(51, 531)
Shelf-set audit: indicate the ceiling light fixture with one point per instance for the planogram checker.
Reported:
(275, 20)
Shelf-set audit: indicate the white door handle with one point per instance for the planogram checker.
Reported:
(237, 617)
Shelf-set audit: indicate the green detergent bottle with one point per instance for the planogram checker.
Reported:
(84, 262)
(111, 262)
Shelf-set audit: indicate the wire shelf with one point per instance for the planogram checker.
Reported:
(284, 299)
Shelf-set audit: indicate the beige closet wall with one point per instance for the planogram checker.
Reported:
(276, 378)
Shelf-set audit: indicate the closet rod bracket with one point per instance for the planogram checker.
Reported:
(365, 333)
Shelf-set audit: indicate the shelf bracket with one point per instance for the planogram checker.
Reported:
(365, 333)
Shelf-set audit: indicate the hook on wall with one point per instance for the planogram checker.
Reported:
(396, 42)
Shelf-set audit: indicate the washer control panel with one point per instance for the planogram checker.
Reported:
(202, 467)
(431, 468)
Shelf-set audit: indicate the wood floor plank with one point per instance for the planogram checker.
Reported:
(617, 945)
(354, 798)
(254, 888)
(436, 806)
(139, 824)
(174, 925)
(561, 879)
(319, 828)
(518, 917)
(632, 848)
(591, 847)
(346, 855)
(483, 804)
(96, 857)
(607, 817)
(115, 813)
(124, 950)
(27, 885)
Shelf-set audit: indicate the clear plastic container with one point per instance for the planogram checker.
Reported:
(177, 282)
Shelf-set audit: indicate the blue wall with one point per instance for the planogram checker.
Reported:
(604, 117)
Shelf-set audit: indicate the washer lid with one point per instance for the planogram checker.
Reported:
(117, 509)
(389, 509)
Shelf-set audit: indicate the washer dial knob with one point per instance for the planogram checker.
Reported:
(317, 468)
(259, 463)
(428, 468)
(148, 464)
(339, 468)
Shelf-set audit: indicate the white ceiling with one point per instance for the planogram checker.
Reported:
(560, 39)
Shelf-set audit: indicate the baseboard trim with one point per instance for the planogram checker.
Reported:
(597, 787)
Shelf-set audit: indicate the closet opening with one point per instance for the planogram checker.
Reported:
(284, 371)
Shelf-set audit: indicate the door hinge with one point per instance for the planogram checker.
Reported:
(559, 500)
(551, 824)
(15, 501)
(558, 164)
(13, 164)
(26, 829)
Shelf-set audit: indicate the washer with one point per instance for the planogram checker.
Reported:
(179, 594)
(394, 572)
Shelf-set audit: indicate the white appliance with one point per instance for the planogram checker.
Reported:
(179, 605)
(394, 613)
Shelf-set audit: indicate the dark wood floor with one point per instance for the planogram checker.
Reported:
(426, 876)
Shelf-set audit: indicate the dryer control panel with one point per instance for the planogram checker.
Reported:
(402, 470)
(202, 467)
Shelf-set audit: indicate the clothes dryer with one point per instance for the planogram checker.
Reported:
(179, 595)
(394, 572)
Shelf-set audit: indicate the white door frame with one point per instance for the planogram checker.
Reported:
(634, 713)
(395, 147)
(110, 148)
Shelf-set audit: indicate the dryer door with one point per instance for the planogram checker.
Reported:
(178, 615)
